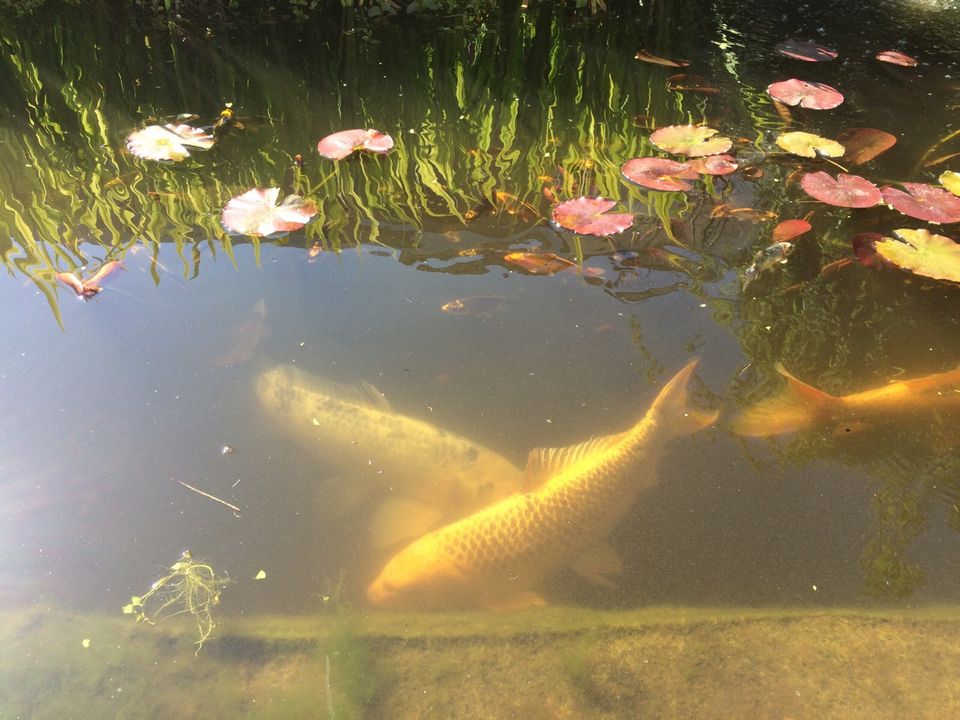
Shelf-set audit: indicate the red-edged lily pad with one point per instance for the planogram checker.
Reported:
(256, 213)
(789, 229)
(805, 50)
(342, 144)
(924, 202)
(168, 142)
(922, 253)
(811, 95)
(896, 58)
(590, 216)
(690, 140)
(864, 144)
(844, 191)
(646, 57)
(659, 173)
(714, 164)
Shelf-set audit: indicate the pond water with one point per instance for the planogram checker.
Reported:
(108, 402)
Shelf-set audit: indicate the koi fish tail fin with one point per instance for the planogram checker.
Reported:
(672, 410)
(798, 407)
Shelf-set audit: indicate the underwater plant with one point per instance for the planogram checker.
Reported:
(190, 587)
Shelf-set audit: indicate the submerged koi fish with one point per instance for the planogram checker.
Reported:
(494, 557)
(431, 476)
(801, 406)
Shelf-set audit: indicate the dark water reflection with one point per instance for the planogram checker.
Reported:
(105, 402)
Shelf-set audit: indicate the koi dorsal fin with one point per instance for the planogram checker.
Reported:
(545, 463)
(361, 393)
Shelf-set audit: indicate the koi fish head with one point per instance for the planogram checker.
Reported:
(415, 578)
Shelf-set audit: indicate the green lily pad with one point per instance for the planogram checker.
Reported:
(690, 140)
(922, 253)
(951, 181)
(809, 145)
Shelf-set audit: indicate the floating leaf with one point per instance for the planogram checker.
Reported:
(690, 83)
(789, 229)
(864, 144)
(896, 58)
(342, 144)
(539, 263)
(924, 202)
(812, 95)
(256, 213)
(922, 253)
(809, 145)
(644, 56)
(167, 142)
(659, 173)
(844, 191)
(714, 164)
(806, 50)
(951, 181)
(589, 216)
(691, 140)
(260, 575)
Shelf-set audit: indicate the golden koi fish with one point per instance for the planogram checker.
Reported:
(494, 557)
(801, 406)
(428, 475)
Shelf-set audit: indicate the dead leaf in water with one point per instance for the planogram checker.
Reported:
(646, 57)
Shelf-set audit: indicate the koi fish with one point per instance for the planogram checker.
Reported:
(482, 306)
(432, 476)
(86, 289)
(771, 256)
(495, 557)
(801, 406)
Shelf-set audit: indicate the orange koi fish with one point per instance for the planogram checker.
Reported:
(801, 406)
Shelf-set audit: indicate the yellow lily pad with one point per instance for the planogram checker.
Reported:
(951, 181)
(809, 145)
(922, 253)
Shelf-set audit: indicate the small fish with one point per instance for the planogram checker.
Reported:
(767, 258)
(495, 557)
(539, 263)
(482, 306)
(802, 406)
(86, 289)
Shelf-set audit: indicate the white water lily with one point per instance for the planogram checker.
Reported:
(168, 142)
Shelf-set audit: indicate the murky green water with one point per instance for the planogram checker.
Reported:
(107, 403)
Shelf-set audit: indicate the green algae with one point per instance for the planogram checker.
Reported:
(553, 663)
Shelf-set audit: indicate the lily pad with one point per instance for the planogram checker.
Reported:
(539, 263)
(924, 202)
(809, 145)
(342, 144)
(690, 140)
(922, 253)
(714, 164)
(811, 95)
(844, 191)
(256, 213)
(789, 229)
(167, 143)
(805, 50)
(589, 216)
(896, 58)
(659, 173)
(646, 57)
(951, 181)
(864, 144)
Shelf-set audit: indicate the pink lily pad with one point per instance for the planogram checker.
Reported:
(256, 213)
(714, 164)
(924, 202)
(589, 216)
(846, 191)
(342, 144)
(659, 173)
(811, 95)
(896, 58)
(690, 140)
(805, 50)
(789, 229)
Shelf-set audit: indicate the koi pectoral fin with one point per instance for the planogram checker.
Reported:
(598, 564)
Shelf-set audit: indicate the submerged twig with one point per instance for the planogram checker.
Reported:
(235, 509)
